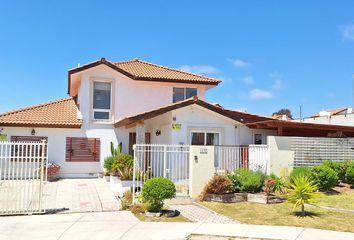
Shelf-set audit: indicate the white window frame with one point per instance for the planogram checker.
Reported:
(205, 135)
(102, 110)
(184, 92)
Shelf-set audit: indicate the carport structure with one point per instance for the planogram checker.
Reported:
(301, 129)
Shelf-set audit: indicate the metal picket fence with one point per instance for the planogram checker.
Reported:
(169, 161)
(22, 175)
(230, 158)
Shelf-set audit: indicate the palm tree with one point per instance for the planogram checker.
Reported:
(302, 190)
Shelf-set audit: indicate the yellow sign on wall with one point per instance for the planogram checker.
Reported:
(3, 137)
(176, 127)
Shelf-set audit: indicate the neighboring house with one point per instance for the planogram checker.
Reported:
(338, 116)
(138, 102)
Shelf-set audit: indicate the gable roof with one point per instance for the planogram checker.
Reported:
(334, 111)
(234, 115)
(144, 71)
(56, 114)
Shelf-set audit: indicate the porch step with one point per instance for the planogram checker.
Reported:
(179, 200)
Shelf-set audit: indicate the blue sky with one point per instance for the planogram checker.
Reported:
(270, 54)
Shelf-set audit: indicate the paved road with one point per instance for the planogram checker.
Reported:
(123, 225)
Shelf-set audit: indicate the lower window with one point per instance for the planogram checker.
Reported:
(205, 138)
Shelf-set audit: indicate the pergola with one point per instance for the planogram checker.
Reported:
(301, 129)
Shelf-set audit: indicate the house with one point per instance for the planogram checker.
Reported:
(135, 101)
(338, 116)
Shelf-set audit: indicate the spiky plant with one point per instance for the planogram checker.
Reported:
(116, 151)
(302, 190)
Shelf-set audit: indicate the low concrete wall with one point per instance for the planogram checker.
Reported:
(201, 168)
(281, 157)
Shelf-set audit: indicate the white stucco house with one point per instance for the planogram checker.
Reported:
(132, 102)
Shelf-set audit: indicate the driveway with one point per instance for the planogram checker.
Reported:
(124, 225)
(79, 195)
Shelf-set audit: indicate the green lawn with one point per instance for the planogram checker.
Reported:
(343, 200)
(282, 214)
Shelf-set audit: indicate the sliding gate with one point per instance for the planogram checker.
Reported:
(22, 175)
(169, 161)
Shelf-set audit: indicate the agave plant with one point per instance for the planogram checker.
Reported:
(116, 151)
(302, 190)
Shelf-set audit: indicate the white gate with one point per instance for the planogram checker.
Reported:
(170, 161)
(230, 158)
(22, 174)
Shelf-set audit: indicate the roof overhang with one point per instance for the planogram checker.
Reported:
(234, 115)
(290, 128)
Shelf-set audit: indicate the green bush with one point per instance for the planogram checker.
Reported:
(344, 166)
(303, 171)
(155, 191)
(244, 180)
(349, 175)
(123, 165)
(108, 162)
(325, 177)
(337, 167)
(278, 185)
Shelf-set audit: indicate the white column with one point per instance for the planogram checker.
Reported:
(140, 133)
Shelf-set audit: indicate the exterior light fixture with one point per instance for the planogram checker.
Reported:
(33, 132)
(158, 132)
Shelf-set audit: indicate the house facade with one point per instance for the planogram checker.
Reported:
(136, 102)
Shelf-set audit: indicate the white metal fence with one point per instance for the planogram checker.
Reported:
(310, 151)
(22, 175)
(170, 161)
(230, 158)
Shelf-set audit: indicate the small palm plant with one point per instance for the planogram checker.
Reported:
(302, 190)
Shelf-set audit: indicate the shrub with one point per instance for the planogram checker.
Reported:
(337, 167)
(344, 166)
(325, 177)
(244, 180)
(156, 190)
(302, 191)
(274, 184)
(137, 209)
(108, 162)
(123, 165)
(217, 185)
(304, 171)
(127, 199)
(349, 175)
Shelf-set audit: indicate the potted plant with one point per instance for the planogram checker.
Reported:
(52, 171)
(122, 173)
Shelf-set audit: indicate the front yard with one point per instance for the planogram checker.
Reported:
(282, 214)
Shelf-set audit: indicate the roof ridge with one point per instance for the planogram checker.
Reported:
(167, 68)
(250, 114)
(34, 106)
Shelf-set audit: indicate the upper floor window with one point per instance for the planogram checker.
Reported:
(102, 101)
(180, 94)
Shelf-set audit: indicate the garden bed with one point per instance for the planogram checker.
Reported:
(264, 199)
(226, 198)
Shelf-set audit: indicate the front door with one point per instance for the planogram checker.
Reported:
(132, 140)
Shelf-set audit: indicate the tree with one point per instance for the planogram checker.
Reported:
(302, 190)
(284, 111)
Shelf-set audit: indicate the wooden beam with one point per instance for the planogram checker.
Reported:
(280, 131)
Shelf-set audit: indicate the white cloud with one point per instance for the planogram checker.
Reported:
(277, 80)
(257, 94)
(200, 69)
(239, 63)
(347, 31)
(248, 80)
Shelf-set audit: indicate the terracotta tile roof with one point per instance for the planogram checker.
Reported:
(145, 71)
(241, 117)
(57, 114)
(334, 111)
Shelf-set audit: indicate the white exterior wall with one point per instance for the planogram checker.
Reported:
(281, 157)
(57, 146)
(341, 119)
(130, 97)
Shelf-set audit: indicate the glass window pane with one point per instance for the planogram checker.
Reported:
(212, 139)
(258, 138)
(101, 115)
(197, 138)
(102, 95)
(191, 92)
(178, 94)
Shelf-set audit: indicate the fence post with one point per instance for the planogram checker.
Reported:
(42, 174)
(164, 160)
(134, 174)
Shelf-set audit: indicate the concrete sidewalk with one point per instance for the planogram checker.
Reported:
(124, 225)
